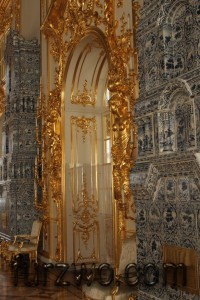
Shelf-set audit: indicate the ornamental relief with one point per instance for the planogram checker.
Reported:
(84, 236)
(174, 41)
(177, 127)
(74, 21)
(166, 123)
(145, 135)
(176, 130)
(172, 206)
(85, 231)
(175, 186)
(85, 125)
(83, 171)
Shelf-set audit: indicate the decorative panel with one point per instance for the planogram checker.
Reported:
(145, 135)
(166, 183)
(84, 183)
(166, 125)
(86, 243)
(19, 148)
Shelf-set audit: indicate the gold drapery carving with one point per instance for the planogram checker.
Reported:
(66, 24)
(9, 10)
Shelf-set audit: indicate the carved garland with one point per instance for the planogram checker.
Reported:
(8, 10)
(73, 19)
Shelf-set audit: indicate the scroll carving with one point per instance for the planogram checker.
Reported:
(74, 19)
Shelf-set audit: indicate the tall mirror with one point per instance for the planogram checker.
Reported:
(87, 153)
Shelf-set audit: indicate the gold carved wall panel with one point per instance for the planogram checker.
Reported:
(67, 23)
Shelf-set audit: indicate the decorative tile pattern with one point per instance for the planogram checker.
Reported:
(19, 148)
(166, 177)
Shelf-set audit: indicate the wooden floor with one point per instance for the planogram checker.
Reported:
(27, 289)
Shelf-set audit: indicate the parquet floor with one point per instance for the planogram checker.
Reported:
(10, 290)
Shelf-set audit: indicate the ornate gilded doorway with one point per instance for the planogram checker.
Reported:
(89, 56)
(87, 155)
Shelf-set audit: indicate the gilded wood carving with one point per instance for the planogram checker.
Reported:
(66, 24)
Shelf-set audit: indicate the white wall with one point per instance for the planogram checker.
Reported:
(30, 19)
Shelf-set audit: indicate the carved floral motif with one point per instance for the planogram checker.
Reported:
(66, 24)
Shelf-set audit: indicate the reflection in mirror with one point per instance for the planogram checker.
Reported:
(88, 177)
